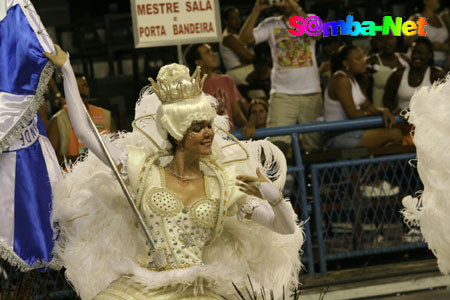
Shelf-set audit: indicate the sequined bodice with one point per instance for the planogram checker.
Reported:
(180, 231)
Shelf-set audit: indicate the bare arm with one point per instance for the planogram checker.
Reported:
(53, 136)
(238, 115)
(59, 100)
(391, 89)
(340, 89)
(239, 48)
(44, 116)
(246, 33)
(436, 74)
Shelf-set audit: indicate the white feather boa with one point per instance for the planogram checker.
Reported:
(430, 209)
(97, 238)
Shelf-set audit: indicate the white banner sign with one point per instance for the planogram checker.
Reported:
(172, 22)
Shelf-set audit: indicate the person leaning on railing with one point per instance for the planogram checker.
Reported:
(344, 100)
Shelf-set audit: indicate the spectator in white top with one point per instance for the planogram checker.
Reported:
(383, 63)
(295, 92)
(236, 57)
(344, 99)
(403, 83)
(436, 30)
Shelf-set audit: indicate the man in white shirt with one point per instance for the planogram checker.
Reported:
(295, 92)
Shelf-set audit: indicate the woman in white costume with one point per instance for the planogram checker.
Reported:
(211, 222)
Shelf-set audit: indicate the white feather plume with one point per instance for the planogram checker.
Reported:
(429, 113)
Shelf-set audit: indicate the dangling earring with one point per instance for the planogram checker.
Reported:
(347, 68)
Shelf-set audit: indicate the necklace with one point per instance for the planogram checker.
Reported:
(182, 177)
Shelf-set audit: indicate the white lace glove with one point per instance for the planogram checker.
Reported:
(278, 216)
(79, 120)
(248, 207)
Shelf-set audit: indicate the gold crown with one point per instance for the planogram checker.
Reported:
(186, 88)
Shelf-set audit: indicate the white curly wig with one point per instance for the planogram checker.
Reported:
(177, 116)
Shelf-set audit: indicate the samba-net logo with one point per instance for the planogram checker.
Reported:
(314, 26)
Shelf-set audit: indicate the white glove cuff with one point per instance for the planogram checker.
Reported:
(270, 193)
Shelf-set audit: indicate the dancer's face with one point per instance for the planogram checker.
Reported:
(198, 138)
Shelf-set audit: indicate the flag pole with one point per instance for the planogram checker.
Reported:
(121, 182)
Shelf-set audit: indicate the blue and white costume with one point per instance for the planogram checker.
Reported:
(28, 165)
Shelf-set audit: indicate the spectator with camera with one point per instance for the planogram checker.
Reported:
(295, 83)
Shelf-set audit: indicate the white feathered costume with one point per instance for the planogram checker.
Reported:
(429, 113)
(99, 242)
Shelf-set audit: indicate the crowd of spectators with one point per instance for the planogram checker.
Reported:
(331, 78)
(265, 77)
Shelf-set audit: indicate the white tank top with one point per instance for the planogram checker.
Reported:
(229, 58)
(405, 91)
(435, 34)
(333, 110)
(380, 78)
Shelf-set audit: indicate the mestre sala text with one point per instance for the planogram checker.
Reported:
(167, 8)
(314, 26)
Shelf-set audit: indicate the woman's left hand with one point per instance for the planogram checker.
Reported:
(389, 119)
(251, 185)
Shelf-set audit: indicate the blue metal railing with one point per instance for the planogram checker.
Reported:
(357, 204)
(300, 198)
(361, 123)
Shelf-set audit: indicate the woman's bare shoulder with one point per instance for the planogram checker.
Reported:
(338, 80)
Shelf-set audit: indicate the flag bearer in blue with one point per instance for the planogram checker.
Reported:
(28, 165)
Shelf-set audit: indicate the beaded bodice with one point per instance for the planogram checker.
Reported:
(180, 231)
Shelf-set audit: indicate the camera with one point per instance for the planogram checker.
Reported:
(271, 2)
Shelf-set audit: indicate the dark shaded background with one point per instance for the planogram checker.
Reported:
(98, 34)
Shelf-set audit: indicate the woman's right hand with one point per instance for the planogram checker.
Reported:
(261, 5)
(249, 128)
(59, 59)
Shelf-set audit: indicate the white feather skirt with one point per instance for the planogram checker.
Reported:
(97, 236)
